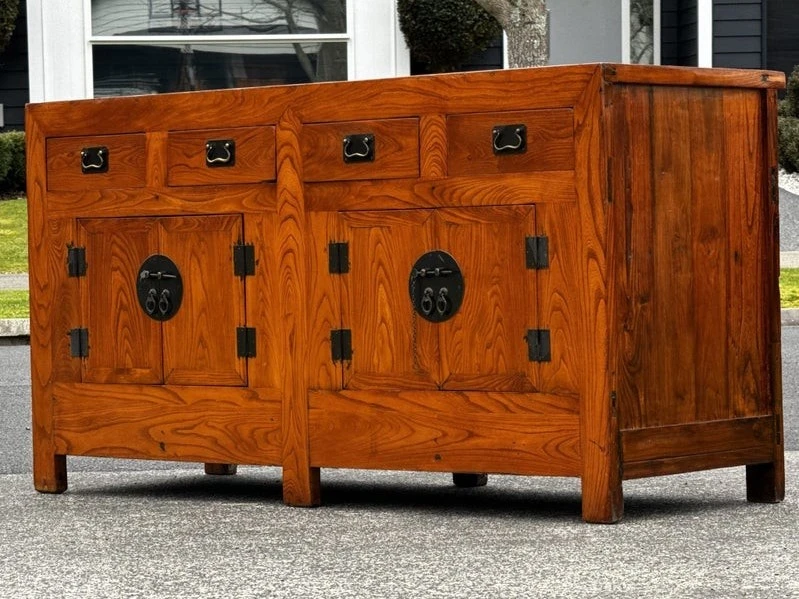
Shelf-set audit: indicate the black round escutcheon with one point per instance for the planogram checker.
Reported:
(159, 287)
(436, 286)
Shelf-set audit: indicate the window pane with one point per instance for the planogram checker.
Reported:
(218, 17)
(129, 69)
(642, 38)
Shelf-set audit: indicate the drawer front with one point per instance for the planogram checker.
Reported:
(386, 149)
(221, 156)
(547, 142)
(98, 162)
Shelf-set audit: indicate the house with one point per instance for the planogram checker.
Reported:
(91, 48)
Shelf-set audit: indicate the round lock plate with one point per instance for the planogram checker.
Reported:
(436, 286)
(159, 287)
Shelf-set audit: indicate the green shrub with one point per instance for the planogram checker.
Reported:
(12, 162)
(8, 20)
(789, 143)
(444, 33)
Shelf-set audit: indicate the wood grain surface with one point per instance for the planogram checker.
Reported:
(195, 424)
(355, 430)
(254, 156)
(125, 162)
(550, 142)
(396, 150)
(300, 480)
(483, 190)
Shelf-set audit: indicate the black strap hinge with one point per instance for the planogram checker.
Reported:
(338, 255)
(245, 342)
(537, 252)
(76, 261)
(243, 260)
(79, 343)
(538, 345)
(341, 345)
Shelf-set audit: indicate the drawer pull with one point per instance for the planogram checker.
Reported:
(94, 160)
(220, 152)
(510, 139)
(359, 148)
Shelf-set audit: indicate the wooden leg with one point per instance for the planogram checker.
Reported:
(49, 472)
(220, 469)
(765, 483)
(301, 487)
(469, 479)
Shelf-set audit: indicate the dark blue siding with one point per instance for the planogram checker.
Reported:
(14, 87)
(738, 34)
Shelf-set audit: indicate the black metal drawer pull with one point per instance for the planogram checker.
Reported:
(220, 152)
(509, 139)
(94, 160)
(359, 148)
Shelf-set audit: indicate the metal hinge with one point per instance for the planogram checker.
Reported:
(79, 343)
(76, 261)
(537, 252)
(341, 345)
(243, 260)
(338, 255)
(538, 345)
(245, 342)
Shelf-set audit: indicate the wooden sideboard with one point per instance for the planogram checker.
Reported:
(562, 271)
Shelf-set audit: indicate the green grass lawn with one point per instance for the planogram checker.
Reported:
(13, 236)
(14, 304)
(789, 287)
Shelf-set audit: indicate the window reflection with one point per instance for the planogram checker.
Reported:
(134, 69)
(217, 17)
(642, 39)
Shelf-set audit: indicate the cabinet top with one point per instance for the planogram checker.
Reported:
(512, 89)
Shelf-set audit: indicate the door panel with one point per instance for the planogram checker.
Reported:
(200, 340)
(393, 348)
(124, 343)
(483, 346)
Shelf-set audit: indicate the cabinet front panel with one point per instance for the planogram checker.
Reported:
(341, 151)
(483, 346)
(110, 161)
(250, 158)
(124, 343)
(548, 142)
(393, 348)
(200, 340)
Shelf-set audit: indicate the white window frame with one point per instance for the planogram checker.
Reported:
(256, 40)
(625, 31)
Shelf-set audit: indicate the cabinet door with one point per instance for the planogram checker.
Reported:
(393, 348)
(483, 347)
(200, 340)
(124, 344)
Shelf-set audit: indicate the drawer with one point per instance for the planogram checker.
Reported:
(384, 149)
(546, 141)
(221, 156)
(97, 162)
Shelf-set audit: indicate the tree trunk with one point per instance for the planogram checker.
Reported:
(526, 23)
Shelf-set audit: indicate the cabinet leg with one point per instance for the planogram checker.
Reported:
(765, 483)
(301, 488)
(220, 469)
(469, 479)
(50, 473)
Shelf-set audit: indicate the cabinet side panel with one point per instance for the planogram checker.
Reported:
(687, 165)
(743, 147)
